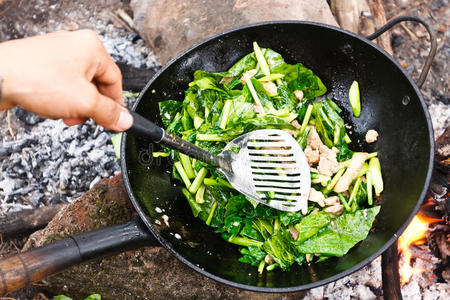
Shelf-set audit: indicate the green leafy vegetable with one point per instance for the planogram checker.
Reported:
(218, 107)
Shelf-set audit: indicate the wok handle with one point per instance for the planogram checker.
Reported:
(24, 268)
(150, 130)
(433, 48)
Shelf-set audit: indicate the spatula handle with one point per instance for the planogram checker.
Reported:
(148, 129)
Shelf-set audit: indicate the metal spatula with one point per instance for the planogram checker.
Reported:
(266, 165)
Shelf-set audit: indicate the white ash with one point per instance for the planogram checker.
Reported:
(51, 163)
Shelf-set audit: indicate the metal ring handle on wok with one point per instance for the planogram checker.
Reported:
(34, 265)
(426, 67)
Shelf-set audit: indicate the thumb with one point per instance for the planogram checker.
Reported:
(110, 114)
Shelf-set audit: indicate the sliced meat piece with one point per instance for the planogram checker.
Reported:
(293, 232)
(270, 87)
(249, 74)
(312, 156)
(336, 209)
(313, 139)
(316, 197)
(226, 80)
(296, 124)
(352, 171)
(298, 94)
(371, 136)
(269, 260)
(332, 200)
(328, 164)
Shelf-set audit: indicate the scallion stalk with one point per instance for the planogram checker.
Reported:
(306, 118)
(200, 194)
(354, 98)
(160, 154)
(198, 180)
(225, 113)
(182, 172)
(271, 267)
(241, 241)
(344, 202)
(211, 213)
(209, 137)
(335, 179)
(355, 190)
(369, 188)
(377, 179)
(261, 60)
(261, 266)
(337, 134)
(187, 165)
(249, 83)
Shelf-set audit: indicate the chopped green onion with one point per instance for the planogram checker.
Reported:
(337, 134)
(377, 179)
(354, 97)
(302, 139)
(261, 60)
(344, 202)
(271, 267)
(253, 91)
(225, 113)
(211, 214)
(271, 77)
(186, 161)
(372, 155)
(160, 154)
(261, 266)
(198, 121)
(334, 105)
(355, 190)
(199, 195)
(209, 137)
(182, 173)
(347, 139)
(325, 117)
(241, 241)
(210, 181)
(363, 170)
(306, 118)
(196, 208)
(130, 95)
(115, 140)
(335, 179)
(198, 180)
(369, 188)
(207, 112)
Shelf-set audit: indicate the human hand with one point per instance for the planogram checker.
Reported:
(66, 75)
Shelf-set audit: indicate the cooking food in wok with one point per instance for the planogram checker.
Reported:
(262, 91)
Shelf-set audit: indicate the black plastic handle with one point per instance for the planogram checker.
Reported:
(24, 268)
(143, 127)
(433, 48)
(146, 128)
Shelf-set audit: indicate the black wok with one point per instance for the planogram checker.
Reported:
(391, 104)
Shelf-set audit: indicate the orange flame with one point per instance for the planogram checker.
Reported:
(415, 234)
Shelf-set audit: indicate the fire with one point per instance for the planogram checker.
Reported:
(415, 234)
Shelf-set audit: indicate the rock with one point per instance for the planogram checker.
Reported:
(172, 26)
(146, 273)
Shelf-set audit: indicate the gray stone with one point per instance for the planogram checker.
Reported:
(172, 26)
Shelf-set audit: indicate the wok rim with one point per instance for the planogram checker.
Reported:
(311, 285)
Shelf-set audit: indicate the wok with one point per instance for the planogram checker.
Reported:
(391, 104)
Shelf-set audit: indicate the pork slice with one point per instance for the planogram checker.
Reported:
(270, 87)
(312, 156)
(332, 200)
(249, 74)
(352, 171)
(371, 136)
(313, 139)
(316, 197)
(328, 164)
